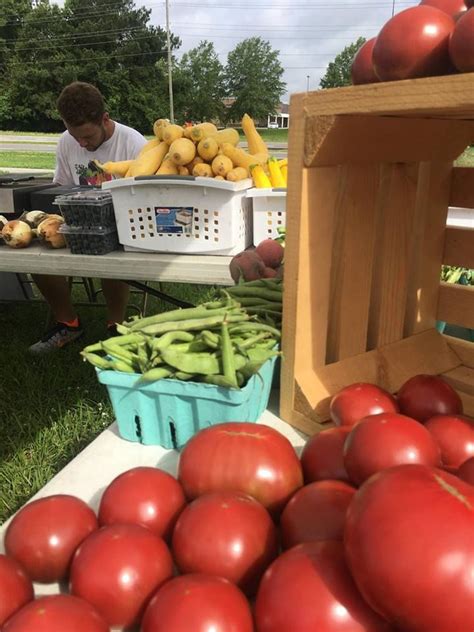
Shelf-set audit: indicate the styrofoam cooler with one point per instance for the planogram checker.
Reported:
(269, 212)
(182, 214)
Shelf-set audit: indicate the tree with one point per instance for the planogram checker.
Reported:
(200, 87)
(105, 42)
(338, 72)
(254, 79)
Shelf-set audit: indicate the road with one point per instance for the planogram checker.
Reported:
(47, 144)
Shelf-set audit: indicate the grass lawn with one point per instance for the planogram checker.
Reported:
(52, 407)
(27, 159)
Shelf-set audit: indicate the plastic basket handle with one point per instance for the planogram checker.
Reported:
(165, 177)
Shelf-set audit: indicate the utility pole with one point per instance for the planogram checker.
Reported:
(170, 75)
(393, 8)
(307, 83)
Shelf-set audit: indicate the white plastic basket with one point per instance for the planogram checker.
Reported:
(269, 212)
(182, 214)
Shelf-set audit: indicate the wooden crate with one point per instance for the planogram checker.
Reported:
(370, 180)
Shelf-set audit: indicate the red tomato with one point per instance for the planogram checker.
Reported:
(452, 7)
(44, 534)
(143, 495)
(16, 588)
(362, 70)
(118, 568)
(359, 400)
(455, 436)
(414, 43)
(57, 613)
(316, 512)
(424, 396)
(226, 534)
(310, 588)
(382, 441)
(242, 457)
(461, 43)
(212, 604)
(466, 471)
(323, 456)
(409, 545)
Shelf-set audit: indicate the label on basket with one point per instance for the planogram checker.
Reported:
(174, 219)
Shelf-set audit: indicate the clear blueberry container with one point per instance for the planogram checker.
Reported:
(83, 240)
(89, 209)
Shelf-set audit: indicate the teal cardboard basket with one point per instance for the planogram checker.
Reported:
(169, 412)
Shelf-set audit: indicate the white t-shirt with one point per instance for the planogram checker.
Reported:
(72, 160)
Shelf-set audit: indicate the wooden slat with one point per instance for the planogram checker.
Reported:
(390, 366)
(435, 97)
(456, 304)
(468, 403)
(333, 140)
(459, 247)
(461, 378)
(293, 295)
(463, 349)
(462, 187)
(394, 226)
(426, 246)
(354, 234)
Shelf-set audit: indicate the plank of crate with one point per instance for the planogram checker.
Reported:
(389, 367)
(395, 212)
(354, 237)
(443, 97)
(461, 378)
(456, 304)
(467, 403)
(334, 140)
(427, 238)
(462, 187)
(463, 349)
(459, 246)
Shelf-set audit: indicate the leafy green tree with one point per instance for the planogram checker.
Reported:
(338, 72)
(199, 82)
(254, 79)
(107, 43)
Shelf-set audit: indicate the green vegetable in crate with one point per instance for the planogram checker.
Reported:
(198, 343)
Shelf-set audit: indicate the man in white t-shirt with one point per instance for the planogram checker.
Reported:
(90, 134)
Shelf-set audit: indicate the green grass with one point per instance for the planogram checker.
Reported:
(52, 407)
(466, 159)
(27, 159)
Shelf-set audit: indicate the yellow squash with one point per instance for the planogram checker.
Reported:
(118, 168)
(241, 158)
(149, 162)
(182, 151)
(256, 144)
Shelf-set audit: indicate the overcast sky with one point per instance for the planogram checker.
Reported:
(308, 34)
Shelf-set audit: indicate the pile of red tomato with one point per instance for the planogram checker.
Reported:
(370, 529)
(434, 38)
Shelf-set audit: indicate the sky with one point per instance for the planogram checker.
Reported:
(307, 33)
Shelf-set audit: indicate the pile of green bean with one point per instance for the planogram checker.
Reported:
(262, 298)
(217, 342)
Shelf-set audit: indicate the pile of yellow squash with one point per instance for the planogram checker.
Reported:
(197, 150)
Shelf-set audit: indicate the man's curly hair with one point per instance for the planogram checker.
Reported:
(81, 103)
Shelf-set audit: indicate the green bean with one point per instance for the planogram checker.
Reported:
(123, 329)
(249, 342)
(93, 348)
(118, 352)
(264, 310)
(98, 361)
(126, 339)
(245, 301)
(244, 327)
(155, 374)
(257, 292)
(257, 354)
(198, 346)
(195, 324)
(202, 363)
(181, 375)
(122, 366)
(186, 314)
(219, 380)
(166, 339)
(260, 283)
(211, 339)
(227, 355)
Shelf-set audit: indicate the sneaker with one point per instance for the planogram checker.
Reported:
(56, 338)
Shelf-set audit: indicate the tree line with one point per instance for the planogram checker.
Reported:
(112, 44)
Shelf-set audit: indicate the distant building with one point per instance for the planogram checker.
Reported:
(280, 119)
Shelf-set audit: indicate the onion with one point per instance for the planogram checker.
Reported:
(3, 221)
(48, 231)
(33, 218)
(17, 234)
